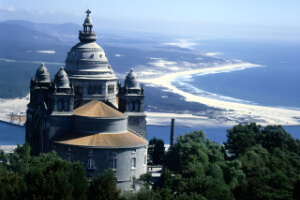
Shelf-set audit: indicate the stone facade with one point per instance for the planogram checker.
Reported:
(131, 101)
(78, 114)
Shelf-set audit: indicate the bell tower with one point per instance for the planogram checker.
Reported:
(131, 102)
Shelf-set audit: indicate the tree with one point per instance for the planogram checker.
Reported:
(143, 194)
(156, 151)
(104, 187)
(241, 137)
(197, 168)
(46, 176)
(270, 159)
(146, 179)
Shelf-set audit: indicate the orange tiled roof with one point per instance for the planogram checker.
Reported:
(97, 108)
(125, 139)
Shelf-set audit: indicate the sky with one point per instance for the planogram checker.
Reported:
(203, 18)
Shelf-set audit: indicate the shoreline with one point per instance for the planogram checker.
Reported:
(234, 111)
(229, 113)
(13, 124)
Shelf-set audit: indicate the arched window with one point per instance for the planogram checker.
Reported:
(113, 163)
(91, 163)
(130, 107)
(137, 107)
(94, 89)
(68, 158)
(100, 89)
(133, 162)
(110, 89)
(60, 105)
(90, 90)
(76, 89)
(66, 105)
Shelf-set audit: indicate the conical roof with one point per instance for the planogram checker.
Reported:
(131, 80)
(96, 108)
(61, 79)
(42, 74)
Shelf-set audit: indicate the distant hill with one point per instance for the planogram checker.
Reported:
(65, 32)
(21, 43)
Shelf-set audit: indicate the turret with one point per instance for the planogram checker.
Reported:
(42, 75)
(131, 101)
(61, 79)
(62, 93)
(87, 35)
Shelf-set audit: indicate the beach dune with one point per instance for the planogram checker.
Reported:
(233, 110)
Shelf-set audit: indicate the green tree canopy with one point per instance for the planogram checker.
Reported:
(41, 177)
(104, 187)
(156, 151)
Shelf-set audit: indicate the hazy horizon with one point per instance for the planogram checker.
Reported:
(203, 19)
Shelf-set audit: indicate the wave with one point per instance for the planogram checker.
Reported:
(36, 62)
(185, 86)
(185, 83)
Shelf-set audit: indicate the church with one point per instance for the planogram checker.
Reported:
(85, 114)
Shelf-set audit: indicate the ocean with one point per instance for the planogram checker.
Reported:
(13, 135)
(276, 83)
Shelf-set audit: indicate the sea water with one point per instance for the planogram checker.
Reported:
(276, 83)
(13, 135)
(216, 134)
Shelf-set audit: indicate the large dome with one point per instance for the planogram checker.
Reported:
(88, 69)
(87, 59)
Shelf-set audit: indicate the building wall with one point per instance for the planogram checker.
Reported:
(58, 125)
(137, 123)
(124, 172)
(100, 125)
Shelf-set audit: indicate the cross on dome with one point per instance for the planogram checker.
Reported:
(88, 12)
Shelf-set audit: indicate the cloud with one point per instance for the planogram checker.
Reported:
(154, 58)
(40, 12)
(46, 51)
(162, 63)
(182, 44)
(52, 12)
(118, 55)
(8, 9)
(79, 14)
(213, 53)
(170, 65)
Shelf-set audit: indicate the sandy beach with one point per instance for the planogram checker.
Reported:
(233, 111)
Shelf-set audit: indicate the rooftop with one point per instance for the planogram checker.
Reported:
(104, 140)
(97, 108)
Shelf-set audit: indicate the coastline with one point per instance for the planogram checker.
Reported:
(233, 111)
